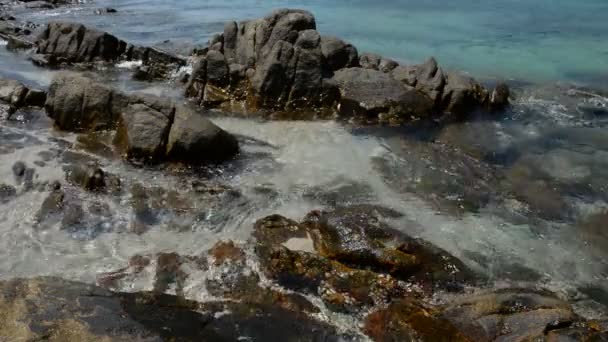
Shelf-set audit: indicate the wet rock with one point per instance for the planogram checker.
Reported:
(508, 315)
(52, 206)
(354, 239)
(290, 66)
(19, 170)
(499, 98)
(195, 139)
(409, 320)
(7, 192)
(107, 10)
(142, 132)
(369, 93)
(77, 103)
(462, 94)
(72, 217)
(89, 177)
(72, 43)
(338, 54)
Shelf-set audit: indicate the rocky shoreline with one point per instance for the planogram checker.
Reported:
(289, 277)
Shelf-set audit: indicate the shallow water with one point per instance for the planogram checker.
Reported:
(508, 196)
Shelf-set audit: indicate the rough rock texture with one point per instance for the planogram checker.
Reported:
(17, 95)
(372, 93)
(280, 62)
(195, 139)
(149, 128)
(77, 103)
(58, 310)
(73, 43)
(65, 42)
(142, 132)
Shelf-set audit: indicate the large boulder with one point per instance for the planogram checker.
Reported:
(142, 132)
(78, 104)
(195, 139)
(148, 127)
(368, 92)
(72, 42)
(281, 62)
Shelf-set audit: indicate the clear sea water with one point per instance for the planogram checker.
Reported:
(531, 40)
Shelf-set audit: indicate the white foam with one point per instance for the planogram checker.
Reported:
(129, 64)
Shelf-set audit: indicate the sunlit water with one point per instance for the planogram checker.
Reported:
(549, 141)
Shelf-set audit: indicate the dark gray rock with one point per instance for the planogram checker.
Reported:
(368, 92)
(338, 54)
(405, 74)
(77, 103)
(142, 132)
(195, 139)
(72, 42)
(217, 69)
(89, 177)
(272, 80)
(463, 94)
(430, 80)
(499, 98)
(7, 192)
(370, 61)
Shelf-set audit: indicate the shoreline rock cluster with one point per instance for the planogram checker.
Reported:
(277, 285)
(308, 259)
(148, 128)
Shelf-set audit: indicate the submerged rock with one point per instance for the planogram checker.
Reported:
(61, 310)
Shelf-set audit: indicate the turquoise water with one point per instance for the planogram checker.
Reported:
(530, 40)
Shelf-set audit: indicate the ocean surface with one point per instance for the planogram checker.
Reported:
(529, 40)
(522, 197)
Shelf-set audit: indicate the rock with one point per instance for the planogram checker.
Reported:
(89, 177)
(499, 98)
(370, 61)
(19, 170)
(462, 94)
(78, 104)
(387, 65)
(217, 69)
(195, 139)
(7, 192)
(142, 132)
(12, 92)
(430, 80)
(74, 43)
(410, 320)
(352, 238)
(509, 314)
(107, 10)
(285, 65)
(368, 93)
(52, 206)
(338, 54)
(405, 74)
